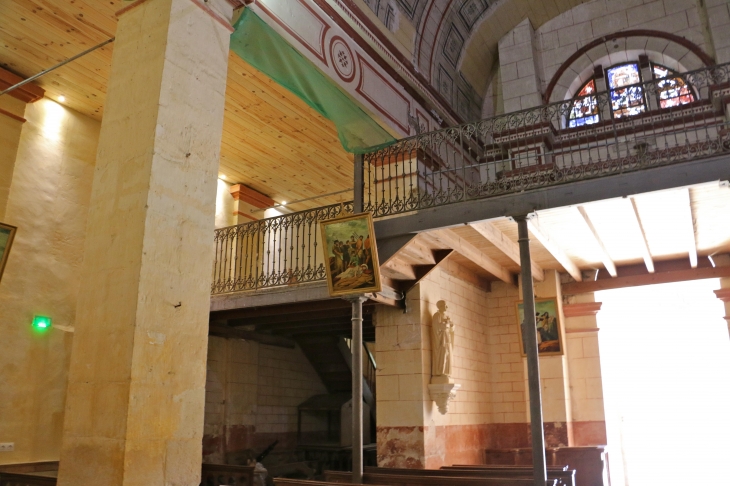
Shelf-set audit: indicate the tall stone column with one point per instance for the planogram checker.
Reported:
(136, 392)
(555, 375)
(581, 332)
(11, 121)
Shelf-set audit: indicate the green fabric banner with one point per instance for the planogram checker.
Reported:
(260, 46)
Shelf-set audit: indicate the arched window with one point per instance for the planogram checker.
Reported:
(671, 91)
(626, 93)
(584, 110)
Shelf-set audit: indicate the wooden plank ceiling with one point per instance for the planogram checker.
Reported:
(672, 224)
(272, 140)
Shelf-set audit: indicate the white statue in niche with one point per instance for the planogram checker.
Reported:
(442, 344)
(442, 389)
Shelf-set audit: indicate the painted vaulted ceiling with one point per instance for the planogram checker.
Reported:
(453, 43)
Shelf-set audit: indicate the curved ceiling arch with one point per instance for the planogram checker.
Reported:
(457, 42)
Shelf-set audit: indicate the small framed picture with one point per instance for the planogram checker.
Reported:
(350, 255)
(7, 233)
(547, 321)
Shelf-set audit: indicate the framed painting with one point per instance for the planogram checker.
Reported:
(7, 233)
(350, 255)
(549, 327)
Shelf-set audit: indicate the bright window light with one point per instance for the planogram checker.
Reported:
(665, 364)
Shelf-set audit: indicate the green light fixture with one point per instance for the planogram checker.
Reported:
(41, 323)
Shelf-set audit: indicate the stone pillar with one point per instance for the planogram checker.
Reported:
(519, 68)
(586, 384)
(134, 411)
(12, 112)
(403, 374)
(555, 375)
(11, 121)
(245, 200)
(718, 14)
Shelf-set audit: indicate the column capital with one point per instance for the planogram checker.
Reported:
(581, 309)
(723, 294)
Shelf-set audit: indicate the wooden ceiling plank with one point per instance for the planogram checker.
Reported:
(506, 246)
(605, 256)
(544, 238)
(646, 254)
(455, 242)
(688, 226)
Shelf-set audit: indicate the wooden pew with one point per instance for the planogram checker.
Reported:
(306, 482)
(427, 479)
(590, 462)
(223, 474)
(565, 476)
(19, 479)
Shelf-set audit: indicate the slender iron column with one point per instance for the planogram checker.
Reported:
(529, 337)
(357, 463)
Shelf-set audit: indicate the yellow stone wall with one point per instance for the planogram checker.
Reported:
(48, 202)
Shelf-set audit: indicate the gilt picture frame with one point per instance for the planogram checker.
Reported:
(548, 324)
(7, 234)
(350, 255)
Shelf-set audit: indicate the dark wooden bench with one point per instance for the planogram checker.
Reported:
(428, 479)
(306, 482)
(29, 479)
(565, 476)
(223, 474)
(590, 462)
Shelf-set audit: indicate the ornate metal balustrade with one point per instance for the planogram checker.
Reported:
(681, 117)
(271, 252)
(544, 146)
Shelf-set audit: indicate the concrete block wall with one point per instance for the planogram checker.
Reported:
(252, 394)
(562, 36)
(519, 66)
(718, 15)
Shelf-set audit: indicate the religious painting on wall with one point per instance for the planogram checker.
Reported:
(351, 257)
(547, 321)
(7, 233)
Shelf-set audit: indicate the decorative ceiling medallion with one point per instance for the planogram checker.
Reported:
(342, 59)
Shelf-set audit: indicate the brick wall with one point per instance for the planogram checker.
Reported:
(252, 393)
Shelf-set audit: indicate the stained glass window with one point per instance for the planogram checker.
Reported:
(672, 91)
(584, 110)
(626, 100)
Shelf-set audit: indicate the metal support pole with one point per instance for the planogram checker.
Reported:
(62, 63)
(359, 187)
(357, 463)
(529, 337)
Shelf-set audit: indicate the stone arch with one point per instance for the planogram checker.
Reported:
(670, 50)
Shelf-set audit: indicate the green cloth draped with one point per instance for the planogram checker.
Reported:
(260, 46)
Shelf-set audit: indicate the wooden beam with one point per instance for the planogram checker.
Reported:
(232, 333)
(452, 240)
(506, 246)
(637, 275)
(636, 222)
(605, 257)
(398, 270)
(544, 238)
(688, 227)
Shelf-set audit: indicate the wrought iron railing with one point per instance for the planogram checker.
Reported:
(501, 155)
(538, 147)
(273, 251)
